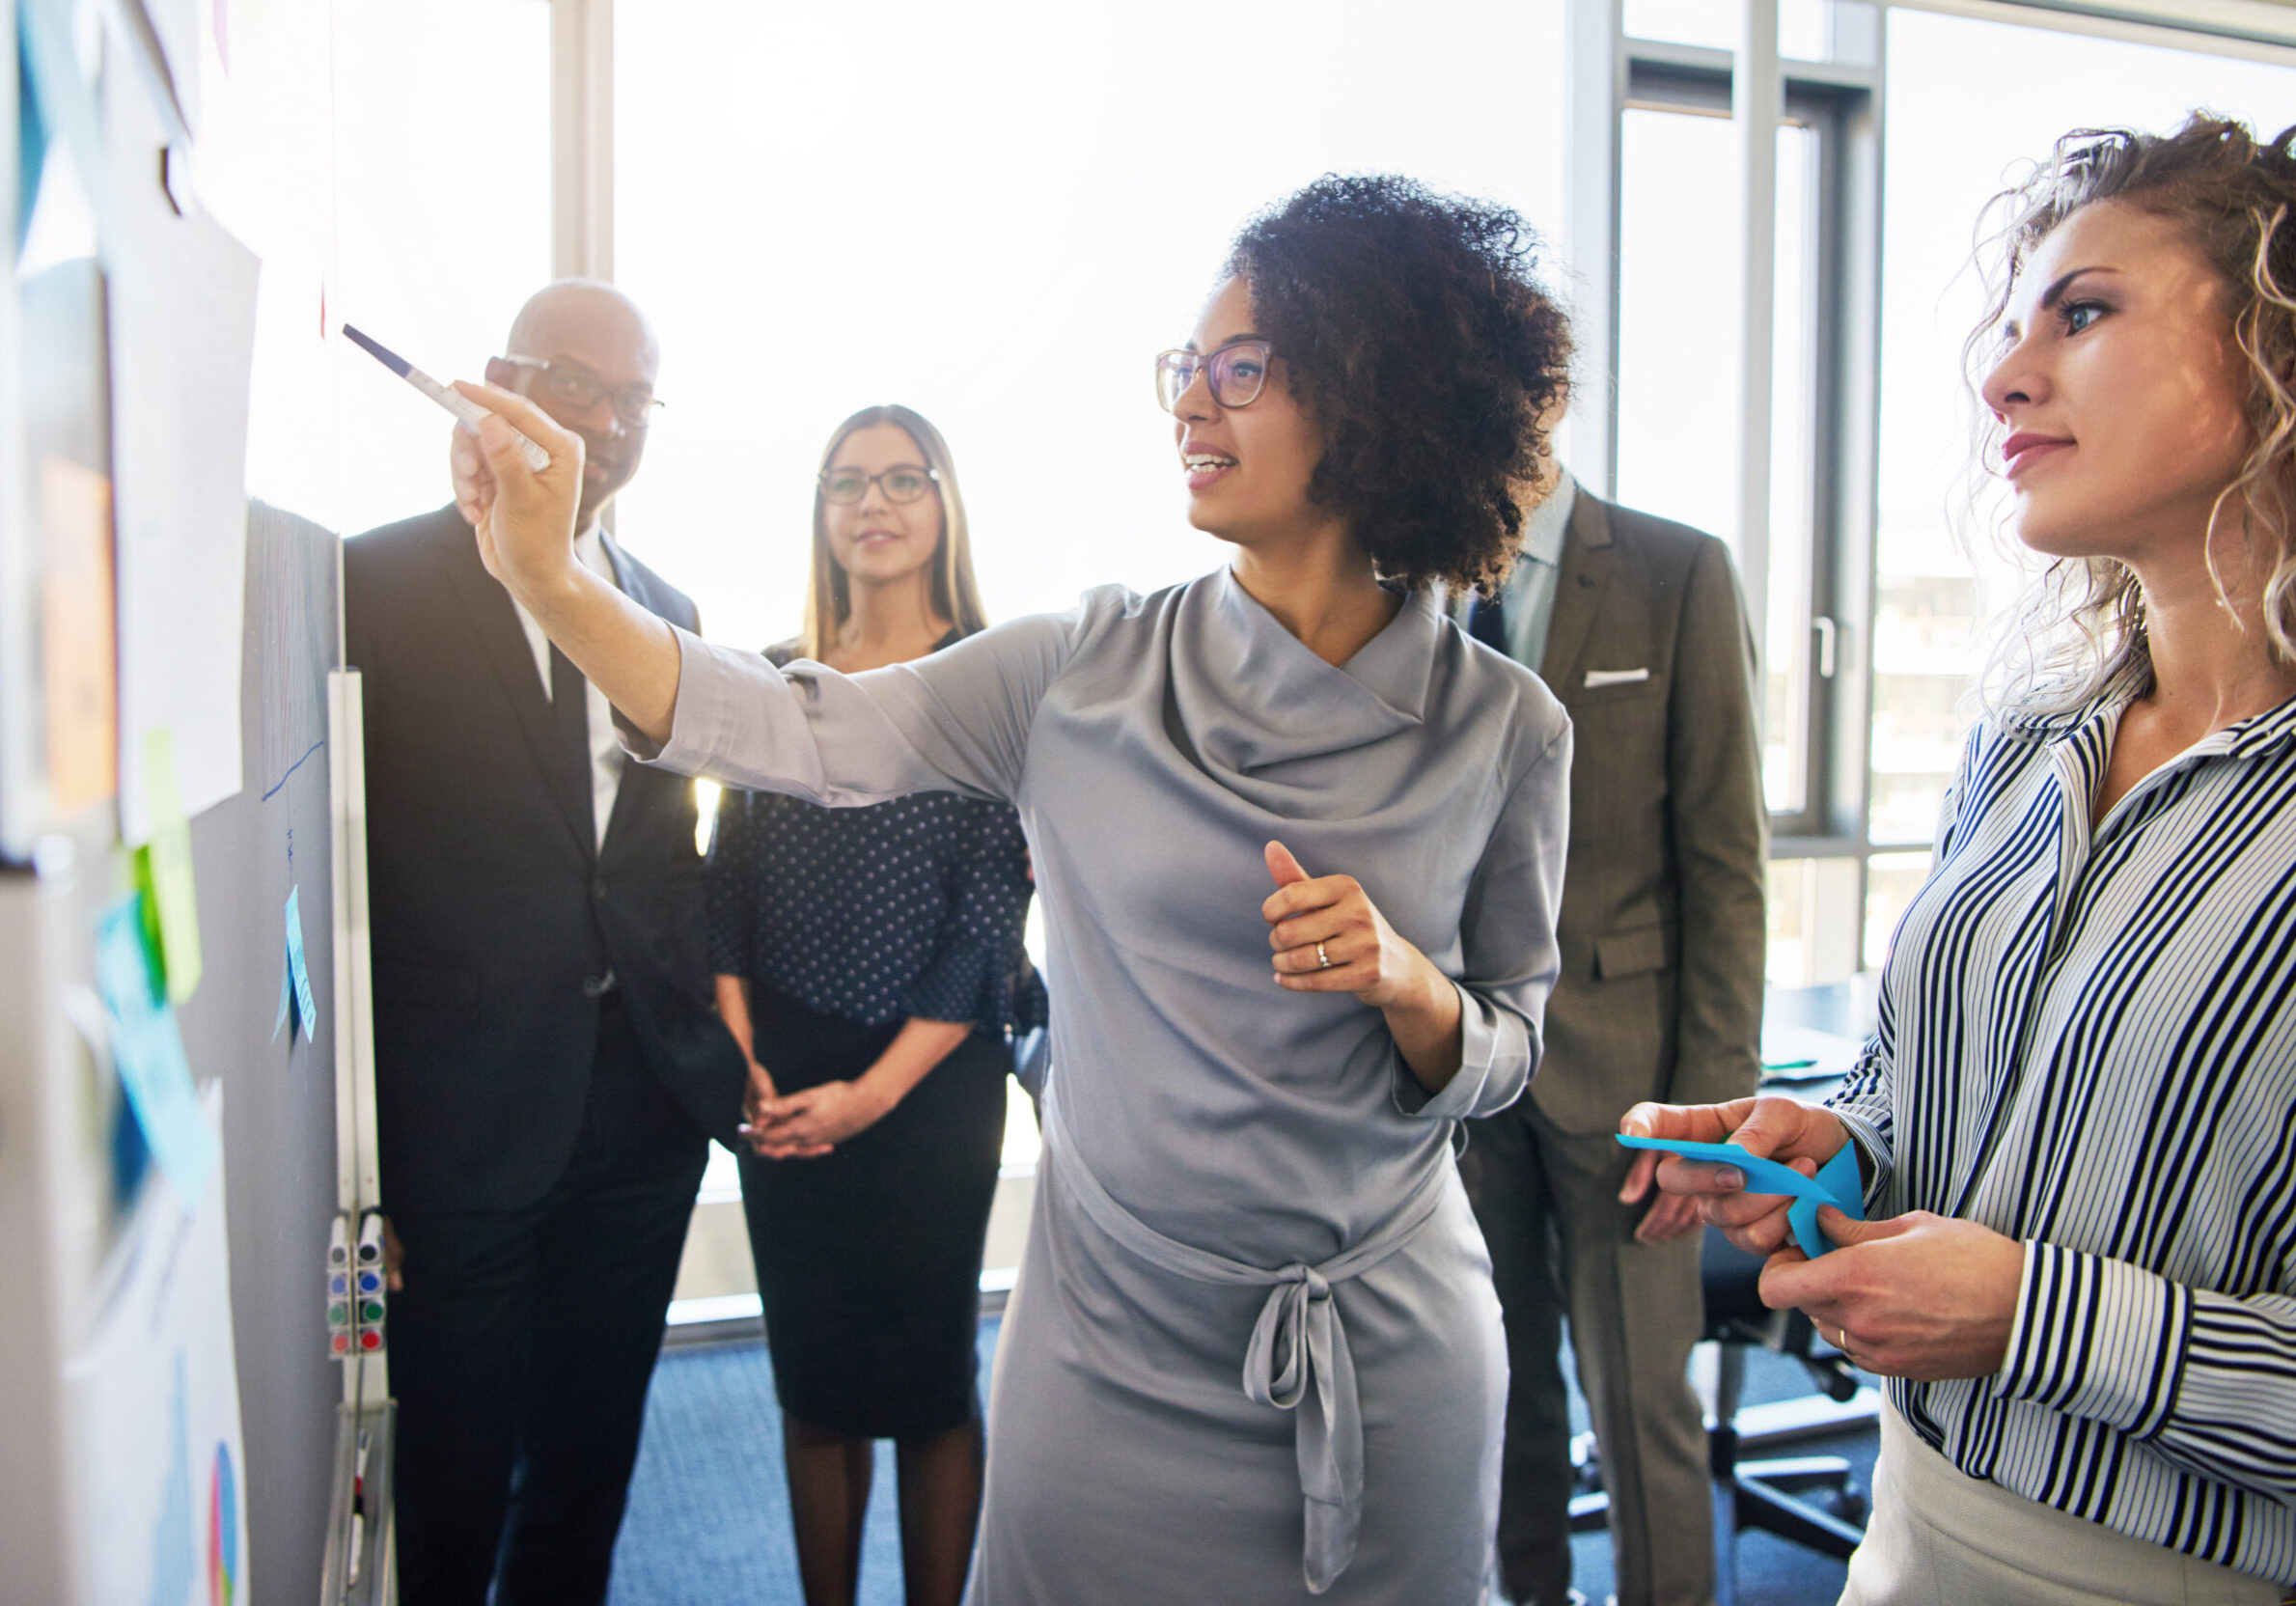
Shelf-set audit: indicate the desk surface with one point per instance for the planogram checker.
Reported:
(1811, 1037)
(1849, 1009)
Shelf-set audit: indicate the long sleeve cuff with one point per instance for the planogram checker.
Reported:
(711, 683)
(1880, 1171)
(1494, 1063)
(2098, 1338)
(965, 982)
(1862, 1106)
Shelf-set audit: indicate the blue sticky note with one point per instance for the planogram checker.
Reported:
(148, 1051)
(1837, 1182)
(31, 136)
(295, 965)
(287, 996)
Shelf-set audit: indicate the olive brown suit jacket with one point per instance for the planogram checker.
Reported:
(1662, 929)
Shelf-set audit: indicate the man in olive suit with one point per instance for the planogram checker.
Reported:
(1637, 624)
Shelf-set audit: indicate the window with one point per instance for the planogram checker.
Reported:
(1678, 372)
(1874, 620)
(408, 208)
(997, 215)
(1801, 24)
(1969, 101)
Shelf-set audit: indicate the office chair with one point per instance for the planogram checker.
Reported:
(1765, 1494)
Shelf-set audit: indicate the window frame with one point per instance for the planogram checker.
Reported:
(1838, 108)
(1608, 71)
(1844, 97)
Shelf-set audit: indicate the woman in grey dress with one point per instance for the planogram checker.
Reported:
(1255, 1354)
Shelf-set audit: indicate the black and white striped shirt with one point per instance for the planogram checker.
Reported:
(2087, 1041)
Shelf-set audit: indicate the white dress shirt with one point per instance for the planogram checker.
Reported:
(1527, 595)
(605, 747)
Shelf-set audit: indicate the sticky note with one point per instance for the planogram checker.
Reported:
(297, 968)
(287, 996)
(1837, 1182)
(31, 134)
(148, 1051)
(163, 870)
(79, 656)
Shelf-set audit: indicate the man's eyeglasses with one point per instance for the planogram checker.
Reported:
(1235, 372)
(580, 389)
(900, 484)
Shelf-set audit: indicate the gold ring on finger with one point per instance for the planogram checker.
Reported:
(1322, 959)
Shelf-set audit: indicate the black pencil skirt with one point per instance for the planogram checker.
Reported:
(868, 1258)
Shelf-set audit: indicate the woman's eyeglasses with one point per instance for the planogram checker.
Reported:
(1235, 372)
(582, 390)
(899, 485)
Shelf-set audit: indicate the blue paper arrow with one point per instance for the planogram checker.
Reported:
(1837, 1182)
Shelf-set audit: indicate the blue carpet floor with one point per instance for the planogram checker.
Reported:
(708, 1518)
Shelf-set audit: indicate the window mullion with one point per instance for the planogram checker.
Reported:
(582, 138)
(1758, 102)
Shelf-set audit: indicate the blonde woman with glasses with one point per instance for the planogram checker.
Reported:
(869, 961)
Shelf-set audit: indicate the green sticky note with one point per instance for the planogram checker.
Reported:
(163, 870)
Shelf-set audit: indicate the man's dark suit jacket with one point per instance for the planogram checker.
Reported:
(495, 916)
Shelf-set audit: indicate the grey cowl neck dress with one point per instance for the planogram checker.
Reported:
(1253, 1354)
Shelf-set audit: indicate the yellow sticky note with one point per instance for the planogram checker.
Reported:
(163, 869)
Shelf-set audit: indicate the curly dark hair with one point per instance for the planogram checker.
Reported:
(1418, 340)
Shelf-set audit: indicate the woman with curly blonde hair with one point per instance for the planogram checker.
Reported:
(2075, 1120)
(2080, 627)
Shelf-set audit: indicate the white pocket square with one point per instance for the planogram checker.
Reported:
(1614, 677)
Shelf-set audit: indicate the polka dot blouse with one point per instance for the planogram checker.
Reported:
(911, 907)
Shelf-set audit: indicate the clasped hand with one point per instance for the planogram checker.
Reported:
(1921, 1296)
(808, 1124)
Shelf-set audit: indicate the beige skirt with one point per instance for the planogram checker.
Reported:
(1940, 1538)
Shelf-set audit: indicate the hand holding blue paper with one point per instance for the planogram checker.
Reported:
(1837, 1182)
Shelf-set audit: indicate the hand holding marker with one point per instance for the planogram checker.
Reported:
(464, 410)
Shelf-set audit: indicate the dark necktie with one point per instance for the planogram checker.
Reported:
(1487, 621)
(569, 714)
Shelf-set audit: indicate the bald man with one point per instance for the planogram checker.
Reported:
(548, 1066)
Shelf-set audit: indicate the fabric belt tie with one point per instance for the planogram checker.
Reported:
(1298, 1359)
